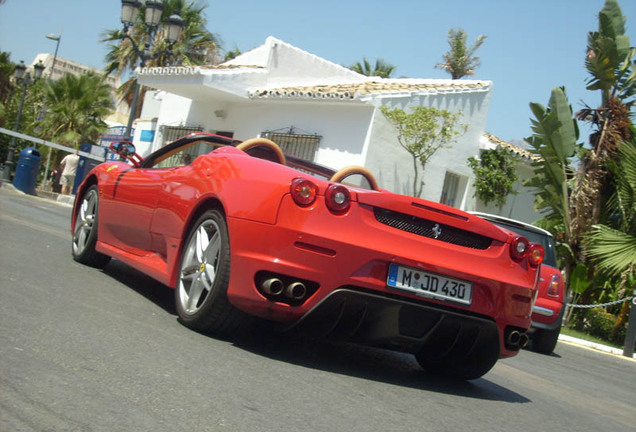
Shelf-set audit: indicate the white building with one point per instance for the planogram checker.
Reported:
(319, 110)
(63, 66)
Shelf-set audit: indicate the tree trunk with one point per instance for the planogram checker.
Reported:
(416, 191)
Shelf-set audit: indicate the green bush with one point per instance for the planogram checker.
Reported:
(597, 322)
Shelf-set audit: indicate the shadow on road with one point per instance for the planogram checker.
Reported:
(369, 363)
(341, 358)
(146, 286)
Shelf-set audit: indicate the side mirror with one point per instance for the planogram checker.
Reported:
(123, 148)
(126, 150)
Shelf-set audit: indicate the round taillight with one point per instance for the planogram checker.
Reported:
(519, 248)
(535, 254)
(338, 198)
(303, 192)
(554, 287)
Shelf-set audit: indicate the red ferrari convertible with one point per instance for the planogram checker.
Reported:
(243, 231)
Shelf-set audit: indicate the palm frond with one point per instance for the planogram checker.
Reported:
(195, 46)
(614, 251)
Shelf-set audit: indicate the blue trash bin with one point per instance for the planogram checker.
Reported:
(26, 173)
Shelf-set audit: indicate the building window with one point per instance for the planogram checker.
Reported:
(452, 190)
(302, 145)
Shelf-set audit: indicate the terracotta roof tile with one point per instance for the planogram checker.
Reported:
(517, 151)
(350, 91)
(230, 66)
(191, 70)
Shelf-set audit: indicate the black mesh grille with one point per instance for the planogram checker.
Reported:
(432, 229)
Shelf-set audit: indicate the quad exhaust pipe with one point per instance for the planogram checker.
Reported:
(296, 291)
(275, 287)
(517, 339)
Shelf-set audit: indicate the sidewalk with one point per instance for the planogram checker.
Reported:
(66, 200)
(593, 345)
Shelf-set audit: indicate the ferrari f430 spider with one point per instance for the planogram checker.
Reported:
(243, 231)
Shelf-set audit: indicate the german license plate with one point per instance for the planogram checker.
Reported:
(430, 285)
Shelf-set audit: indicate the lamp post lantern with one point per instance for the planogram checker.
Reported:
(26, 80)
(173, 27)
(56, 38)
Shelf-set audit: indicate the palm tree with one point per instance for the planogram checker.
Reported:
(75, 108)
(381, 69)
(460, 60)
(613, 246)
(609, 62)
(6, 70)
(232, 54)
(196, 45)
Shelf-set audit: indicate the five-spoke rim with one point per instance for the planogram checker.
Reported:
(85, 222)
(199, 266)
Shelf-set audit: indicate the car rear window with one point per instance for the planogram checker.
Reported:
(535, 237)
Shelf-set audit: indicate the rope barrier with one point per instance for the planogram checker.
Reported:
(600, 305)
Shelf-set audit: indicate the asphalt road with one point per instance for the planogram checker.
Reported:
(89, 350)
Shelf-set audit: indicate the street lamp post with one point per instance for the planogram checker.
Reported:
(57, 45)
(152, 19)
(26, 80)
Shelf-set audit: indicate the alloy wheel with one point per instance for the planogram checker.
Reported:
(199, 266)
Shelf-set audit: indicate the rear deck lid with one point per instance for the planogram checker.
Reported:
(418, 215)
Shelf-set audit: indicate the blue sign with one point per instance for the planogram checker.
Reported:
(147, 135)
(114, 133)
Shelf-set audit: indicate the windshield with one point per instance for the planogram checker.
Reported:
(184, 155)
(184, 150)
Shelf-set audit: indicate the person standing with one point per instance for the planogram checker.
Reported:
(69, 169)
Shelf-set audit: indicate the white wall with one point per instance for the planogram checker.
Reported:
(291, 66)
(152, 104)
(143, 147)
(393, 165)
(343, 127)
(173, 112)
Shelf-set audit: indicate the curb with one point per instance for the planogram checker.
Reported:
(65, 200)
(594, 346)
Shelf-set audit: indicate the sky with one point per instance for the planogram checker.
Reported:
(531, 46)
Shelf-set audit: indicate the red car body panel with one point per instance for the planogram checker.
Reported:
(549, 308)
(145, 215)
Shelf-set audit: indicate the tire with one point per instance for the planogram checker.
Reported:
(544, 341)
(204, 274)
(85, 233)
